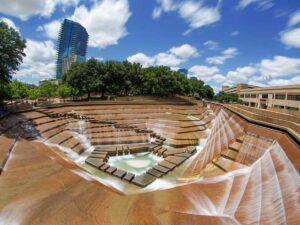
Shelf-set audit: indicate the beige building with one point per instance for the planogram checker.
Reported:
(237, 88)
(283, 97)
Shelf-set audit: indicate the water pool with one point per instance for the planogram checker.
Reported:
(135, 163)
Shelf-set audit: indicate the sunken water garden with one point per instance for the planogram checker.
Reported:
(147, 162)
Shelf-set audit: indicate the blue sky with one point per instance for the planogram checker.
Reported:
(220, 42)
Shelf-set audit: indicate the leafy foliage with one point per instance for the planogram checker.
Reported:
(11, 51)
(125, 78)
(34, 93)
(47, 89)
(111, 77)
(5, 91)
(18, 89)
(64, 91)
(223, 97)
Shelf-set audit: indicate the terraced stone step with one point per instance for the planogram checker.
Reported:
(111, 170)
(227, 164)
(235, 146)
(166, 164)
(177, 160)
(155, 173)
(162, 169)
(143, 180)
(171, 152)
(96, 162)
(185, 155)
(119, 173)
(104, 167)
(129, 176)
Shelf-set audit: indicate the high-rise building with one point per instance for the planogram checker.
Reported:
(72, 46)
(183, 71)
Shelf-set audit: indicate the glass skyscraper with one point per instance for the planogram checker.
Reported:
(72, 46)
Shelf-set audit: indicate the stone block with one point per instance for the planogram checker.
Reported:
(119, 173)
(143, 180)
(128, 177)
(167, 164)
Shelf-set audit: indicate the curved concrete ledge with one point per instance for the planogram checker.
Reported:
(274, 123)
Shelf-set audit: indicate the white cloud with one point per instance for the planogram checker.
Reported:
(141, 58)
(216, 89)
(226, 54)
(10, 23)
(28, 8)
(261, 4)
(235, 33)
(280, 82)
(165, 5)
(206, 73)
(211, 45)
(279, 66)
(219, 78)
(105, 21)
(39, 62)
(51, 29)
(240, 75)
(291, 38)
(184, 51)
(198, 15)
(193, 12)
(294, 19)
(172, 58)
(166, 59)
(268, 70)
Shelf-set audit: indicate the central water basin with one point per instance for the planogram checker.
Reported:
(135, 163)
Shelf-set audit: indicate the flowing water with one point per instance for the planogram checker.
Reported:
(135, 163)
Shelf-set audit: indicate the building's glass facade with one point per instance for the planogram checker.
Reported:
(73, 39)
(183, 71)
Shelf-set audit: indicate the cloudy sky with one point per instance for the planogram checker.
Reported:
(222, 42)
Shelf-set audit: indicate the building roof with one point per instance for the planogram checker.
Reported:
(272, 88)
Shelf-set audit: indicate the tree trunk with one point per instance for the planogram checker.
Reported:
(89, 95)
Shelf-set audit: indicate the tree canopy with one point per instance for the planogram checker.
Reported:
(125, 78)
(227, 98)
(11, 51)
(110, 78)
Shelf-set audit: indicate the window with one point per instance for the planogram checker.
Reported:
(280, 96)
(242, 96)
(247, 95)
(293, 97)
(264, 96)
(253, 95)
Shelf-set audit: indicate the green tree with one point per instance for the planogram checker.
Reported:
(5, 91)
(18, 89)
(91, 81)
(34, 93)
(11, 51)
(124, 78)
(75, 78)
(101, 78)
(196, 86)
(83, 76)
(208, 92)
(223, 97)
(233, 97)
(47, 89)
(64, 91)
